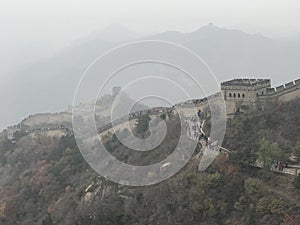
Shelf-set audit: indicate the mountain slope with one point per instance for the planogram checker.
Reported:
(44, 180)
(50, 84)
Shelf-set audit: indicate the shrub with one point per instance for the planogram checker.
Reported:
(163, 116)
(270, 205)
(297, 182)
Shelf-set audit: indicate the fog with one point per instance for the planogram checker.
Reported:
(37, 34)
(33, 29)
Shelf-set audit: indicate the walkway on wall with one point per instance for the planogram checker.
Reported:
(210, 149)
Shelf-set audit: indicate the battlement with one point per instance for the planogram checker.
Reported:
(245, 84)
(251, 91)
(282, 89)
(248, 93)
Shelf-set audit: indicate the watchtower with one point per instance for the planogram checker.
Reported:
(245, 90)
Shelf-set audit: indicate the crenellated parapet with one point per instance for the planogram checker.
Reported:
(255, 92)
(282, 89)
(244, 90)
(245, 84)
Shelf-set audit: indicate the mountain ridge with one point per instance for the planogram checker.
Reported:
(228, 53)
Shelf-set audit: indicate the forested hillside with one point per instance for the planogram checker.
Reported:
(44, 179)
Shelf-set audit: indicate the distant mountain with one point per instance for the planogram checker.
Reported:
(114, 33)
(233, 53)
(49, 85)
(173, 36)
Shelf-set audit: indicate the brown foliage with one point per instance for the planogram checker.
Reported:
(291, 219)
(222, 165)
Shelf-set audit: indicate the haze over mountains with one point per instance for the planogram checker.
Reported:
(49, 85)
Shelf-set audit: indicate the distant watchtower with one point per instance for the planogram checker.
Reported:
(245, 90)
(116, 90)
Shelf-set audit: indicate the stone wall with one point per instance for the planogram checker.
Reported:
(246, 84)
(239, 95)
(245, 90)
(47, 119)
(257, 92)
(283, 92)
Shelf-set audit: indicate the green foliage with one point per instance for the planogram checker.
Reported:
(240, 205)
(67, 158)
(57, 172)
(163, 116)
(6, 145)
(55, 154)
(277, 124)
(47, 220)
(246, 156)
(297, 149)
(212, 180)
(68, 141)
(113, 143)
(19, 134)
(268, 153)
(252, 187)
(108, 212)
(257, 194)
(296, 182)
(196, 207)
(270, 205)
(143, 124)
(187, 198)
(208, 198)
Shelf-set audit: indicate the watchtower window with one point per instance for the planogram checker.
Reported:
(239, 95)
(243, 95)
(234, 95)
(230, 95)
(262, 93)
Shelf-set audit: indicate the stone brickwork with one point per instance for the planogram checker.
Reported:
(246, 90)
(284, 92)
(250, 92)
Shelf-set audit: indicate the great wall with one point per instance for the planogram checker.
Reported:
(256, 92)
(236, 94)
(246, 93)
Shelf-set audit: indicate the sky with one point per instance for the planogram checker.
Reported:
(41, 18)
(44, 18)
(33, 29)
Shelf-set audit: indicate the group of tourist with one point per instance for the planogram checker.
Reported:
(279, 165)
(195, 130)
